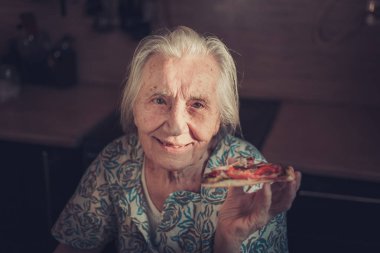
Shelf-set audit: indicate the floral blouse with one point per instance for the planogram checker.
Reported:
(109, 204)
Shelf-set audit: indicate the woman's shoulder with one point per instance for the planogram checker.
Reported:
(126, 146)
(121, 155)
(236, 146)
(231, 147)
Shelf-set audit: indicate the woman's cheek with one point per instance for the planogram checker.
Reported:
(201, 132)
(209, 124)
(151, 120)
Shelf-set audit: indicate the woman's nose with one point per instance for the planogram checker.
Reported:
(177, 120)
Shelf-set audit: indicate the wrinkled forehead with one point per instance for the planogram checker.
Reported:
(194, 74)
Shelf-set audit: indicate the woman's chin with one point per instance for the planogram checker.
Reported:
(175, 163)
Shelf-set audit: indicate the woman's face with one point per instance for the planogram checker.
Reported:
(176, 110)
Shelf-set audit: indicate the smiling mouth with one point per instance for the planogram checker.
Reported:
(171, 145)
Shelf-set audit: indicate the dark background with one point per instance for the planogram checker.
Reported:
(310, 87)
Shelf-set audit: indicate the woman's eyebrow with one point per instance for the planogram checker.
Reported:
(164, 93)
(200, 98)
(161, 93)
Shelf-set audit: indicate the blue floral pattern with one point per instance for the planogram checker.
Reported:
(109, 204)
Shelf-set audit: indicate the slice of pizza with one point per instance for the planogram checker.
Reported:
(244, 171)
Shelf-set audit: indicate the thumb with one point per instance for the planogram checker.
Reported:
(263, 200)
(259, 214)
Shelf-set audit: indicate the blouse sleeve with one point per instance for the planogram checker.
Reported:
(87, 220)
(270, 239)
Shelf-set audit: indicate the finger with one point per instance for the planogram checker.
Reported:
(237, 195)
(235, 190)
(263, 198)
(298, 178)
(293, 185)
(278, 186)
(284, 195)
(260, 213)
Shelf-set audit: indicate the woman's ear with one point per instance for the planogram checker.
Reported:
(218, 127)
(133, 116)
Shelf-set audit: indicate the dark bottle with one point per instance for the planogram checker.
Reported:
(29, 50)
(134, 18)
(62, 63)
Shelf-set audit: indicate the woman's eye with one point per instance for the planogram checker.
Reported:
(197, 105)
(159, 101)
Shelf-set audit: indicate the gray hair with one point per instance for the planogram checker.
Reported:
(184, 41)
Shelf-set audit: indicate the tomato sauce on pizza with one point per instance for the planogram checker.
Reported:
(245, 171)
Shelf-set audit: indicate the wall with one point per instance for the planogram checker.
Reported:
(297, 49)
(320, 51)
(103, 57)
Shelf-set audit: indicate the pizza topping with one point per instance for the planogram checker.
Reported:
(268, 170)
(214, 173)
(217, 174)
(244, 171)
(239, 172)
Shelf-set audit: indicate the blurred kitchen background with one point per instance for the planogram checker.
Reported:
(310, 96)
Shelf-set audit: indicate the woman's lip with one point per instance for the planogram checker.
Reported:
(171, 145)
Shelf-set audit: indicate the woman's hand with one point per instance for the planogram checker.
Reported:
(244, 213)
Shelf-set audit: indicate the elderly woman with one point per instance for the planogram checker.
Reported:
(179, 110)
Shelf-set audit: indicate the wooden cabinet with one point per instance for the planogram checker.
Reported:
(46, 142)
(38, 181)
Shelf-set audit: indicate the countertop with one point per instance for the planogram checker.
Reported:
(56, 116)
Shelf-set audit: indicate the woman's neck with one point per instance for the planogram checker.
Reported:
(161, 183)
(188, 179)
